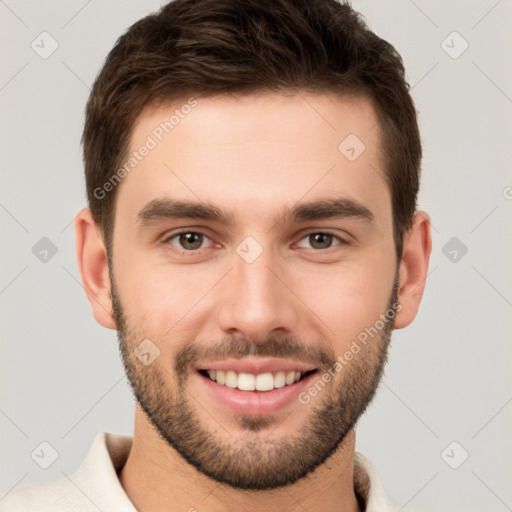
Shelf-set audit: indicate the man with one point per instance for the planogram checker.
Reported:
(252, 171)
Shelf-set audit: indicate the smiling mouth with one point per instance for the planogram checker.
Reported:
(267, 381)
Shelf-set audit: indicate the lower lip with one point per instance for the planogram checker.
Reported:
(256, 403)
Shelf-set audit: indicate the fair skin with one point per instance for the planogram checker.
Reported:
(253, 157)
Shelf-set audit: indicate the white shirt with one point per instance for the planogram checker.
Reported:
(95, 485)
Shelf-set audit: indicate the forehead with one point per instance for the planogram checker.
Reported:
(256, 153)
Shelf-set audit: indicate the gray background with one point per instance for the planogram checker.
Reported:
(449, 375)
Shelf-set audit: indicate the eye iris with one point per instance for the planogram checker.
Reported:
(191, 240)
(323, 239)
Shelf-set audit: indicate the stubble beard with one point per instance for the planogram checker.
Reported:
(255, 459)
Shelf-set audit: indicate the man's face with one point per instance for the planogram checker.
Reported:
(272, 289)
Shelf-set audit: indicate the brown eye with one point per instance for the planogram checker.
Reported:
(191, 240)
(320, 241)
(188, 240)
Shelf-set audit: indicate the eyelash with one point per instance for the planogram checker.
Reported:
(167, 240)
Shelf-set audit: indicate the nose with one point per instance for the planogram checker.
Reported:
(257, 300)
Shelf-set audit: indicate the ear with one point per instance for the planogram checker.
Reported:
(413, 269)
(93, 265)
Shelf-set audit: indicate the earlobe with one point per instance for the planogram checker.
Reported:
(413, 269)
(93, 265)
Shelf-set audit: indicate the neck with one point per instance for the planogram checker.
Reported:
(155, 477)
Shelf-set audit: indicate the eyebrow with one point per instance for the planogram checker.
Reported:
(158, 210)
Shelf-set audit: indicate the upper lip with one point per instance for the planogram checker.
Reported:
(257, 365)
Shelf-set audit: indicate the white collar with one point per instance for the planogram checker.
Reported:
(95, 485)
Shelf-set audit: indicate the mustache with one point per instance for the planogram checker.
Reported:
(287, 347)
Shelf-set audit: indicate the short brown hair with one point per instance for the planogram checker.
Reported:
(215, 47)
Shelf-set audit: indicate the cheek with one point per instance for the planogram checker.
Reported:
(152, 301)
(158, 299)
(349, 300)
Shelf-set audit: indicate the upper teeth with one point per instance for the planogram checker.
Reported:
(250, 382)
